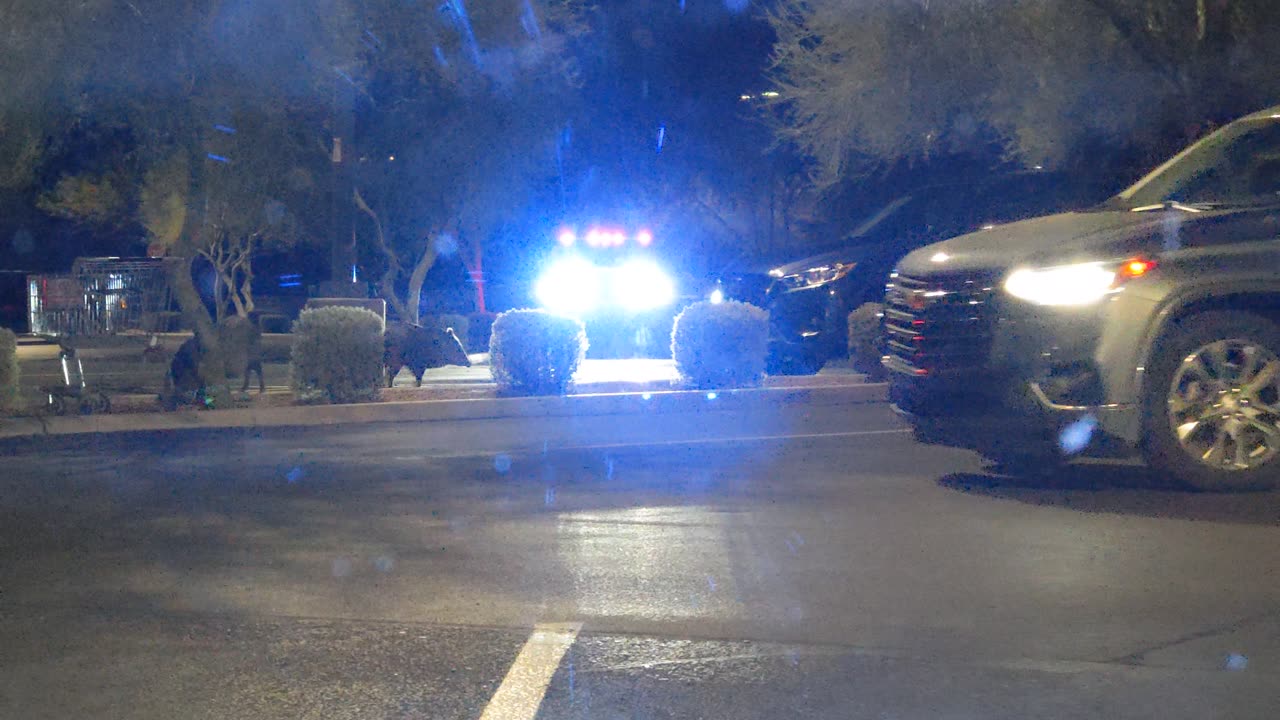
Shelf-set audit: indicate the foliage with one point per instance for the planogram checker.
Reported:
(81, 197)
(9, 397)
(472, 75)
(865, 337)
(862, 84)
(535, 352)
(337, 355)
(162, 206)
(721, 344)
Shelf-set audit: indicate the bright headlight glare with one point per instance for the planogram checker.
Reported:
(1079, 284)
(817, 276)
(571, 285)
(641, 285)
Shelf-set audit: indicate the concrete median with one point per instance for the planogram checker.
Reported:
(596, 404)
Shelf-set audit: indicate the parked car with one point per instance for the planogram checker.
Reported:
(810, 297)
(1148, 323)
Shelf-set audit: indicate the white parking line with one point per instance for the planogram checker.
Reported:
(520, 694)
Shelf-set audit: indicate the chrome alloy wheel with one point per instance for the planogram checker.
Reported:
(1224, 404)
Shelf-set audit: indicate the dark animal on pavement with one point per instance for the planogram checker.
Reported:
(184, 369)
(420, 348)
(242, 342)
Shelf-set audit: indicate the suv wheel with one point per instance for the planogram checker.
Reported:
(1212, 404)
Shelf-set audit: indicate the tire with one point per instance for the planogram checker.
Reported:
(1207, 425)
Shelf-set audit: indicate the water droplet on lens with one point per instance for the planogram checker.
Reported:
(502, 463)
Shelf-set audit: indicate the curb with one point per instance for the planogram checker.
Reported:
(655, 402)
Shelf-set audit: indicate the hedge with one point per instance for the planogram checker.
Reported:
(337, 355)
(9, 394)
(865, 343)
(721, 344)
(534, 352)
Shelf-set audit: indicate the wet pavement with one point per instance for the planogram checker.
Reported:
(810, 562)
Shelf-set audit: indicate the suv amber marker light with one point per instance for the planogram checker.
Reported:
(1137, 267)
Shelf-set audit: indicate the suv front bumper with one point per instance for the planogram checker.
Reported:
(1002, 416)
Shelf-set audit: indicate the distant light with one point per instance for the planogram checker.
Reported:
(594, 238)
(644, 238)
(988, 227)
(712, 396)
(940, 257)
(571, 285)
(717, 296)
(641, 285)
(770, 93)
(218, 158)
(745, 97)
(1038, 167)
(566, 238)
(353, 274)
(392, 158)
(646, 396)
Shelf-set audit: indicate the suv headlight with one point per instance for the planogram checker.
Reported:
(1078, 284)
(814, 277)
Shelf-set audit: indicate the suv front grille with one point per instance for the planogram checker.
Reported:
(938, 324)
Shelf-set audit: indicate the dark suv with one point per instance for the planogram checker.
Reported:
(1149, 322)
(809, 298)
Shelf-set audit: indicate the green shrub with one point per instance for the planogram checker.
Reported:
(535, 352)
(721, 344)
(9, 396)
(337, 355)
(864, 338)
(461, 325)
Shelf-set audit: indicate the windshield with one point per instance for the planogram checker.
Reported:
(1239, 164)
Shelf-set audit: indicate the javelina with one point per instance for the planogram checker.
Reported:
(241, 340)
(420, 348)
(184, 369)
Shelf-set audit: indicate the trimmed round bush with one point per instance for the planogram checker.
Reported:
(337, 355)
(721, 344)
(534, 352)
(864, 338)
(9, 397)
